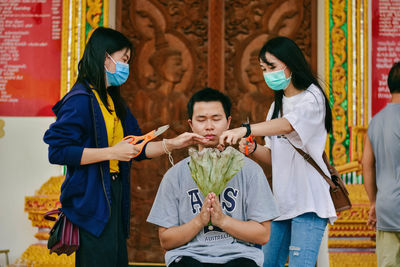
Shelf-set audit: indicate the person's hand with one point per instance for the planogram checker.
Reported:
(232, 136)
(123, 151)
(184, 140)
(204, 215)
(372, 217)
(243, 143)
(217, 216)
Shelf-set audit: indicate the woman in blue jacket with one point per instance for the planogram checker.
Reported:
(92, 119)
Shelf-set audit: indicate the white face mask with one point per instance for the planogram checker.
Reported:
(277, 80)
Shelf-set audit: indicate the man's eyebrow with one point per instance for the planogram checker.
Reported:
(205, 116)
(200, 116)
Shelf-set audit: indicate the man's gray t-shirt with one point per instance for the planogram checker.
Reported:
(384, 134)
(247, 196)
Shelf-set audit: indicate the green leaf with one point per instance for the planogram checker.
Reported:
(212, 169)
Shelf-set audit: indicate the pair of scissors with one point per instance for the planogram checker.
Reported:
(249, 140)
(145, 138)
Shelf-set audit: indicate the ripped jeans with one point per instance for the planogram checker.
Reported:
(299, 238)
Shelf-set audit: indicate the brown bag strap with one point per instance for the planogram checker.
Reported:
(310, 160)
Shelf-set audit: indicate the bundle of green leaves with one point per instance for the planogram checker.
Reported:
(212, 169)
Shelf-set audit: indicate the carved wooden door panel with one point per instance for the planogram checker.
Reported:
(182, 46)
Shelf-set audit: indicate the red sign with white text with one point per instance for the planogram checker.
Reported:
(30, 56)
(385, 49)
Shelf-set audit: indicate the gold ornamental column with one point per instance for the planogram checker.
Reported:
(350, 241)
(80, 19)
(45, 199)
(346, 70)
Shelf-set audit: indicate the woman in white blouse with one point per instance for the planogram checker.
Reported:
(300, 116)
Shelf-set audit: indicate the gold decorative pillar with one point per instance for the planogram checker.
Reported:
(338, 78)
(350, 241)
(45, 199)
(346, 54)
(80, 19)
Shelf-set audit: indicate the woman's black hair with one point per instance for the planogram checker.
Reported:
(91, 66)
(287, 51)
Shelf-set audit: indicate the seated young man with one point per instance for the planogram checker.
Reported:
(240, 215)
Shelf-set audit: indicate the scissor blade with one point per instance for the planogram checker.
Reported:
(161, 129)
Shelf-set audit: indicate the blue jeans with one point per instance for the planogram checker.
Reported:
(299, 238)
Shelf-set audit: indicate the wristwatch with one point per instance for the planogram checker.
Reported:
(248, 129)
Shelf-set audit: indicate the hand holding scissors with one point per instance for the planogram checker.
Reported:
(249, 140)
(245, 143)
(145, 138)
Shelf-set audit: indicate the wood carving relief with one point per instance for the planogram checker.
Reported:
(170, 63)
(248, 25)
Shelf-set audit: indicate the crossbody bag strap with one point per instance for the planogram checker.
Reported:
(310, 160)
(48, 214)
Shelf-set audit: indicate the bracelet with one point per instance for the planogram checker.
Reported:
(255, 147)
(171, 159)
(248, 129)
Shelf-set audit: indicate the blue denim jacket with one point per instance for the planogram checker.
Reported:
(85, 193)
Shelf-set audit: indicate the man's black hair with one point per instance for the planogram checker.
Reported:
(208, 95)
(394, 78)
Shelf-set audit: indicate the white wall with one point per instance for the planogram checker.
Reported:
(24, 167)
(112, 5)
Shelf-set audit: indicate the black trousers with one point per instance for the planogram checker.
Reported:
(109, 249)
(190, 262)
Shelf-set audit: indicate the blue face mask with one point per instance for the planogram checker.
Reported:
(119, 76)
(276, 80)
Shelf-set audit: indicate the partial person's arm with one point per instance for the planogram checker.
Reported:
(273, 127)
(249, 231)
(122, 151)
(369, 176)
(177, 236)
(155, 149)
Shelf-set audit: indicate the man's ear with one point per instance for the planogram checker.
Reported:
(229, 122)
(190, 124)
